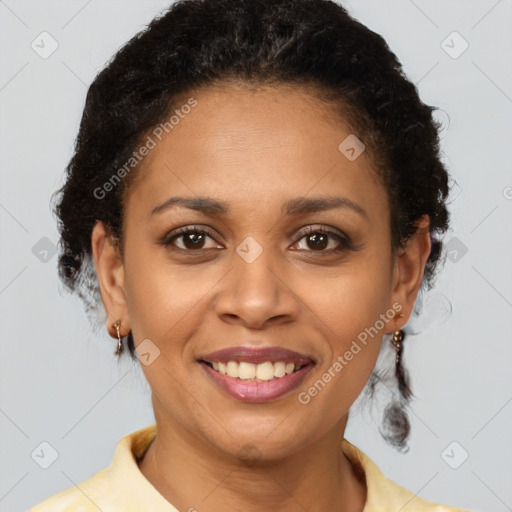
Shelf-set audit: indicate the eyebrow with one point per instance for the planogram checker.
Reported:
(296, 206)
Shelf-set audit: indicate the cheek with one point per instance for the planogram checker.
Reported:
(351, 309)
(164, 299)
(351, 318)
(352, 299)
(153, 293)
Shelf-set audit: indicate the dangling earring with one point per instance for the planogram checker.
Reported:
(397, 341)
(396, 426)
(119, 350)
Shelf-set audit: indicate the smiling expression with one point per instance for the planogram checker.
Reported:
(287, 245)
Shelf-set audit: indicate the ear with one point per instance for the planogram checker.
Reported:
(408, 272)
(110, 272)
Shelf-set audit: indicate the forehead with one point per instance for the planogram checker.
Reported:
(254, 144)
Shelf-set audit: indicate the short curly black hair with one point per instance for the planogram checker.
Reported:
(201, 43)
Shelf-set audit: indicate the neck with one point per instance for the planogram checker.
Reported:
(193, 475)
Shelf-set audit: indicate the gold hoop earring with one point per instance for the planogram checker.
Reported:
(117, 326)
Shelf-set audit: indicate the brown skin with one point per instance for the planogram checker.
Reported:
(255, 149)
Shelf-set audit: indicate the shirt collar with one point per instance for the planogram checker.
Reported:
(382, 493)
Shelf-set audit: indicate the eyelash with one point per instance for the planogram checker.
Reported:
(345, 243)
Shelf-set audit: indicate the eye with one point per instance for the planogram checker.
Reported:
(193, 238)
(318, 240)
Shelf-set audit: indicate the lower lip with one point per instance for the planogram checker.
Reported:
(250, 391)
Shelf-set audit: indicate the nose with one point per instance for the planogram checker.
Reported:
(257, 291)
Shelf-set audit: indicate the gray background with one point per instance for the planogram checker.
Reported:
(59, 381)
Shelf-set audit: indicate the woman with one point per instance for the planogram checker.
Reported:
(257, 192)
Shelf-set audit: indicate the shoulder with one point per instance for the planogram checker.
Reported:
(383, 494)
(79, 498)
(121, 486)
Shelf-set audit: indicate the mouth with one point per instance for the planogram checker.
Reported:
(262, 372)
(256, 374)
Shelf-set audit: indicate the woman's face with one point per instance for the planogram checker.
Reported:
(257, 279)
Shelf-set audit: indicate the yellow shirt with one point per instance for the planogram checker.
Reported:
(123, 488)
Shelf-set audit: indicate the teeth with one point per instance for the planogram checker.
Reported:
(232, 369)
(248, 371)
(265, 371)
(279, 369)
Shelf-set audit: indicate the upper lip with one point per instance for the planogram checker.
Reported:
(257, 355)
